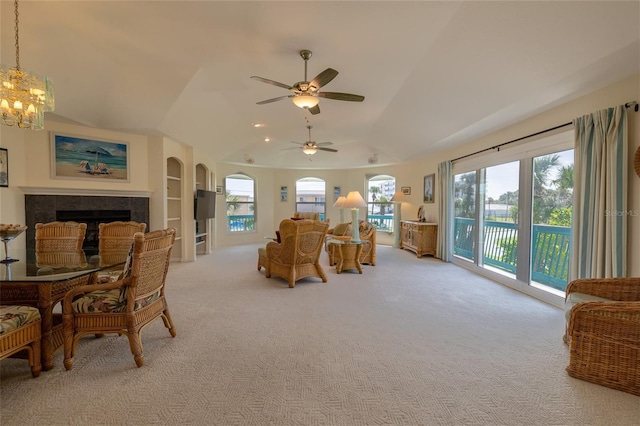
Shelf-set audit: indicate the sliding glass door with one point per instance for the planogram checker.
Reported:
(551, 215)
(514, 218)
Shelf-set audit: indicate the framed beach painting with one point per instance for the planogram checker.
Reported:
(76, 157)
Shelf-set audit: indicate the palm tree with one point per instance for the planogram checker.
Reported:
(233, 203)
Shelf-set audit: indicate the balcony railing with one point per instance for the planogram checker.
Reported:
(241, 223)
(381, 222)
(550, 249)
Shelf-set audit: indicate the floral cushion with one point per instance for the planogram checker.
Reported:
(108, 301)
(15, 316)
(365, 227)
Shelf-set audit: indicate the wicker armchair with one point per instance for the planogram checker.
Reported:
(60, 236)
(306, 215)
(368, 237)
(125, 306)
(20, 330)
(115, 239)
(298, 255)
(604, 336)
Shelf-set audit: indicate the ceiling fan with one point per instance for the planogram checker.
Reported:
(311, 147)
(306, 93)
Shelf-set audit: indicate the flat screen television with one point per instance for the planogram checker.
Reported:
(204, 204)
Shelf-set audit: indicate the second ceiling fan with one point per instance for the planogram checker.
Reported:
(306, 93)
(311, 147)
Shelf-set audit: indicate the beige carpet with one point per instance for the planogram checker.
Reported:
(409, 342)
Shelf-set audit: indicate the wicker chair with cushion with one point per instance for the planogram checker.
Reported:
(115, 239)
(20, 330)
(127, 305)
(298, 254)
(367, 235)
(60, 236)
(306, 215)
(603, 331)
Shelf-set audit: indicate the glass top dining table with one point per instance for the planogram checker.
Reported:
(42, 280)
(59, 265)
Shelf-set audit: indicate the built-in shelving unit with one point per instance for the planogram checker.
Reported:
(174, 203)
(202, 227)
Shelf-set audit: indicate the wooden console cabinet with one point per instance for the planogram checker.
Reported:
(419, 237)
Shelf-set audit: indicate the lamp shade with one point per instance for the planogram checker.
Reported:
(305, 101)
(340, 201)
(354, 200)
(398, 196)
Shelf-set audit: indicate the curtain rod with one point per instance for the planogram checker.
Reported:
(627, 105)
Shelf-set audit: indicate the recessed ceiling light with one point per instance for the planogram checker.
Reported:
(257, 124)
(267, 139)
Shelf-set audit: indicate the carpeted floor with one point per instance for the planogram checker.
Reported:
(409, 342)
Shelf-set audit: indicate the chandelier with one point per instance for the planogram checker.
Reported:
(24, 96)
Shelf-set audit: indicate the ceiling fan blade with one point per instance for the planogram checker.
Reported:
(341, 96)
(314, 110)
(324, 78)
(324, 143)
(327, 149)
(279, 98)
(275, 83)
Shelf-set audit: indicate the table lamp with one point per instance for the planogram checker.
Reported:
(354, 201)
(397, 198)
(340, 203)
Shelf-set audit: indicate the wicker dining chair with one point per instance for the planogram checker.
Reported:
(115, 240)
(127, 305)
(604, 335)
(60, 236)
(20, 331)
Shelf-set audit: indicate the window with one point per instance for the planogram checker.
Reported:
(240, 199)
(311, 196)
(380, 190)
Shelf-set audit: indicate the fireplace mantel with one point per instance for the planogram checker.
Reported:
(45, 190)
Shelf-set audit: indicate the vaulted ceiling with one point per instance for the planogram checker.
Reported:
(434, 74)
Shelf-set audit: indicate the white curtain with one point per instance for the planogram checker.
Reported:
(600, 195)
(445, 210)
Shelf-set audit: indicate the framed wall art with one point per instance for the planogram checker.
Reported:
(336, 193)
(406, 190)
(283, 193)
(429, 187)
(4, 167)
(75, 157)
(219, 190)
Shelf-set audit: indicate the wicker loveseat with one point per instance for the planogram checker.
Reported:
(603, 331)
(343, 232)
(297, 256)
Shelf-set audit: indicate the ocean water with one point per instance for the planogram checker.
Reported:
(74, 158)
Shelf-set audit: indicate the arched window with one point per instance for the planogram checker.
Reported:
(380, 190)
(241, 202)
(311, 196)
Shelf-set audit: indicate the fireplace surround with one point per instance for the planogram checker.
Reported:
(82, 208)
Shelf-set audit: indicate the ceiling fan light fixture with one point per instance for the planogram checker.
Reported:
(309, 150)
(305, 101)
